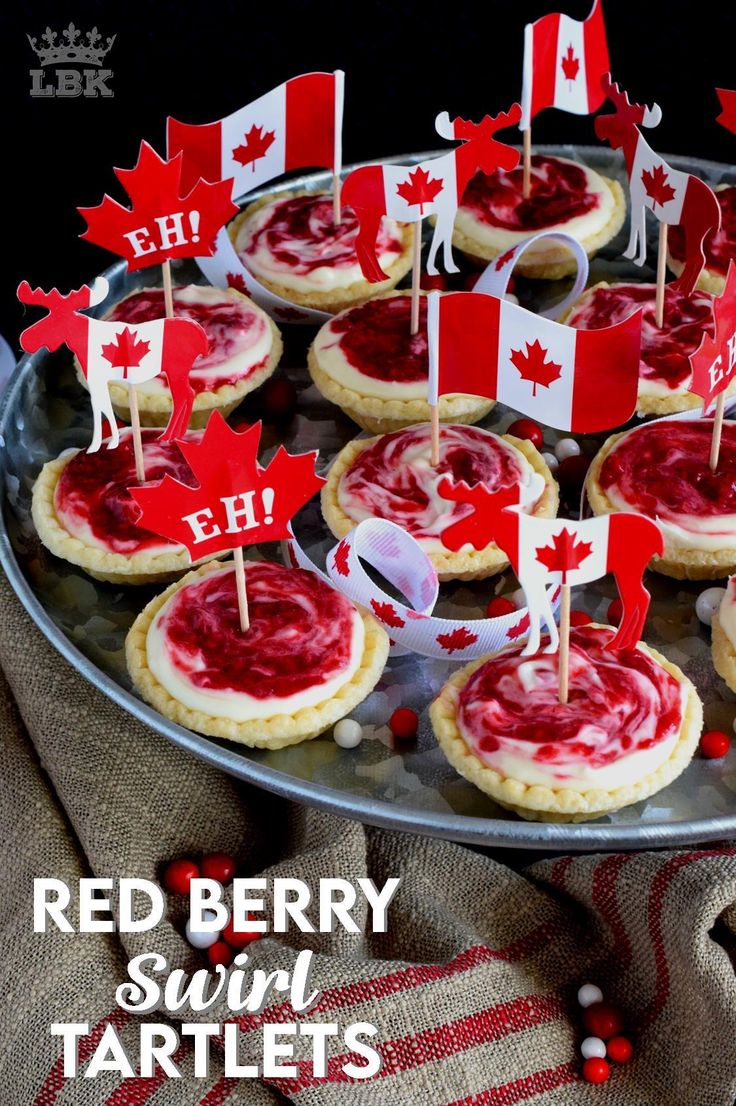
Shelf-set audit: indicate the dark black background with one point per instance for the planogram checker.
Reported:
(200, 61)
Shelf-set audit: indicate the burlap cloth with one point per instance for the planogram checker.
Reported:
(473, 987)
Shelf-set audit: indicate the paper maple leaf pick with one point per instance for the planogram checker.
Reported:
(714, 361)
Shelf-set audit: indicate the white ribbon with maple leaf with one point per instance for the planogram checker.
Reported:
(494, 279)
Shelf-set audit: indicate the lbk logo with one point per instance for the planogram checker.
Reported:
(71, 67)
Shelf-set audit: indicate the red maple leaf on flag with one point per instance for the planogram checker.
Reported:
(714, 361)
(656, 186)
(533, 365)
(340, 559)
(387, 613)
(519, 629)
(570, 64)
(256, 145)
(236, 502)
(237, 281)
(160, 224)
(460, 638)
(564, 554)
(420, 188)
(127, 351)
(727, 118)
(503, 258)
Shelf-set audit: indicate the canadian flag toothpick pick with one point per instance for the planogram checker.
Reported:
(714, 361)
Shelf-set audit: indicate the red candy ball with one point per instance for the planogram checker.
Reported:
(596, 1070)
(178, 875)
(278, 398)
(436, 283)
(602, 1020)
(620, 1049)
(714, 744)
(580, 618)
(220, 953)
(528, 430)
(404, 723)
(614, 612)
(239, 938)
(219, 866)
(570, 475)
(469, 281)
(501, 604)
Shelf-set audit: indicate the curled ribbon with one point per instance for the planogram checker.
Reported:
(495, 277)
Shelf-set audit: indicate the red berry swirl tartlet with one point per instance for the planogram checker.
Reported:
(665, 372)
(661, 470)
(392, 477)
(720, 248)
(367, 361)
(291, 244)
(630, 727)
(723, 642)
(244, 349)
(84, 513)
(493, 215)
(308, 658)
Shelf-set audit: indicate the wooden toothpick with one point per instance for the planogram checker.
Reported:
(661, 273)
(526, 186)
(168, 292)
(416, 276)
(564, 647)
(435, 416)
(135, 423)
(715, 441)
(242, 593)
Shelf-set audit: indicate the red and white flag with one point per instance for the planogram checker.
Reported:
(579, 380)
(297, 125)
(564, 62)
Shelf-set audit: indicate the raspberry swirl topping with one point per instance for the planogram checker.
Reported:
(370, 348)
(295, 242)
(305, 641)
(661, 470)
(92, 501)
(621, 722)
(664, 366)
(394, 478)
(720, 245)
(238, 332)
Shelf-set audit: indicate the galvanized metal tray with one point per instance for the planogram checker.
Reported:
(410, 788)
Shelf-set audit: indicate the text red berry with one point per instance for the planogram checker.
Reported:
(620, 1049)
(579, 618)
(529, 430)
(219, 866)
(501, 604)
(614, 612)
(596, 1070)
(220, 953)
(602, 1020)
(178, 875)
(239, 938)
(714, 744)
(404, 723)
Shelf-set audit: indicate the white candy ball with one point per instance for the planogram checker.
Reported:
(518, 598)
(566, 447)
(348, 733)
(551, 461)
(593, 1046)
(708, 603)
(589, 993)
(199, 940)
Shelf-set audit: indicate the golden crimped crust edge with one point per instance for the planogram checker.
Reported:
(560, 265)
(336, 299)
(261, 733)
(546, 804)
(724, 654)
(678, 562)
(473, 565)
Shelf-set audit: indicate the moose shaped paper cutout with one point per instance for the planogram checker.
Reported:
(674, 197)
(161, 224)
(727, 118)
(408, 193)
(579, 380)
(714, 361)
(546, 551)
(113, 351)
(236, 502)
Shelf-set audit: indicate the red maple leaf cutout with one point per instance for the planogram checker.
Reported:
(340, 559)
(519, 629)
(160, 224)
(459, 638)
(126, 351)
(387, 613)
(714, 361)
(236, 502)
(656, 186)
(533, 365)
(420, 188)
(237, 281)
(255, 146)
(504, 258)
(727, 118)
(570, 64)
(564, 554)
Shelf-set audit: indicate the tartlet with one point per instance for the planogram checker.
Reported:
(630, 727)
(723, 640)
(493, 216)
(245, 348)
(289, 242)
(367, 362)
(720, 248)
(307, 660)
(83, 512)
(661, 470)
(390, 476)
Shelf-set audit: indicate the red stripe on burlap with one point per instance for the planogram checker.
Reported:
(436, 1043)
(521, 1089)
(55, 1080)
(221, 1091)
(605, 900)
(559, 871)
(137, 1091)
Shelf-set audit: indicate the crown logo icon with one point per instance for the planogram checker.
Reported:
(89, 49)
